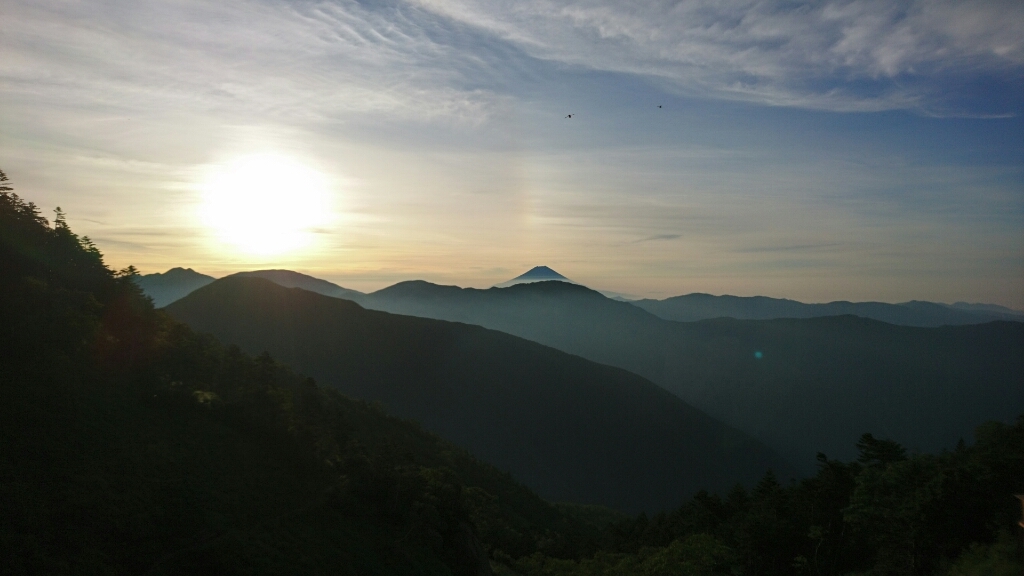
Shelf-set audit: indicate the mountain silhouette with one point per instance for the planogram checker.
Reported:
(169, 286)
(535, 274)
(571, 429)
(799, 385)
(177, 283)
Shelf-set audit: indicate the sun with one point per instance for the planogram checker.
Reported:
(265, 204)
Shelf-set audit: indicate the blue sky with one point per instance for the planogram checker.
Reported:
(863, 150)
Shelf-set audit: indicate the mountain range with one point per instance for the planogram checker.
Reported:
(176, 283)
(571, 429)
(817, 385)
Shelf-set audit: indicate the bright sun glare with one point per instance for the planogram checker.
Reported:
(265, 204)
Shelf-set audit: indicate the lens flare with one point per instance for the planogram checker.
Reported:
(265, 204)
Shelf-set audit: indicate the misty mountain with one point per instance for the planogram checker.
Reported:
(799, 385)
(692, 307)
(986, 308)
(290, 279)
(169, 286)
(567, 427)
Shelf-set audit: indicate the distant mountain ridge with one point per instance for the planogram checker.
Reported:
(697, 306)
(571, 429)
(977, 306)
(178, 282)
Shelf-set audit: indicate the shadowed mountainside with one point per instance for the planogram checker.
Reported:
(818, 384)
(567, 427)
(692, 307)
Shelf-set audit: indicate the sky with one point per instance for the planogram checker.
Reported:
(830, 150)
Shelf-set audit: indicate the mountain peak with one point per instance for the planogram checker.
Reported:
(167, 287)
(535, 274)
(292, 279)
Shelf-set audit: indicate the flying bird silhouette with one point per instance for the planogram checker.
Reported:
(569, 116)
(659, 105)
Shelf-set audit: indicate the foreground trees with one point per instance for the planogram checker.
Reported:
(887, 514)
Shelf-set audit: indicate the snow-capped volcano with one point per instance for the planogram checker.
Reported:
(535, 274)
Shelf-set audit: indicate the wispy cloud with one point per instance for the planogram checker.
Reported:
(792, 248)
(300, 62)
(836, 55)
(328, 61)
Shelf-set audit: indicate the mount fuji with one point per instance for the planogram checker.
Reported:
(535, 274)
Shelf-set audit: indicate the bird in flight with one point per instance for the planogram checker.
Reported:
(659, 105)
(569, 116)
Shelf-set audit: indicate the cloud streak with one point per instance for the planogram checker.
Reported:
(656, 237)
